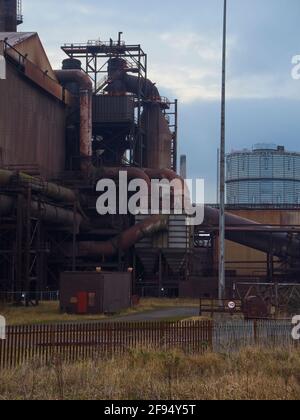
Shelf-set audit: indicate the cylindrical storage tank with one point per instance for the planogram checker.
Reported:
(266, 175)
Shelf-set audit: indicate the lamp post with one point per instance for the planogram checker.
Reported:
(222, 274)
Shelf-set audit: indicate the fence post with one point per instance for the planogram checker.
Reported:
(255, 326)
(210, 335)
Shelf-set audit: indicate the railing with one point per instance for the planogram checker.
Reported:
(95, 43)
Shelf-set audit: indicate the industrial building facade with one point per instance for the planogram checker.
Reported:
(266, 175)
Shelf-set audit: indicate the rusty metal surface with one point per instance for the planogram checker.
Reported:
(32, 126)
(159, 137)
(15, 38)
(128, 238)
(85, 92)
(43, 80)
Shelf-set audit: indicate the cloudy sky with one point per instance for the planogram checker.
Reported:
(183, 41)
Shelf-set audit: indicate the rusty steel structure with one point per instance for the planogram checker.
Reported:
(61, 131)
(119, 70)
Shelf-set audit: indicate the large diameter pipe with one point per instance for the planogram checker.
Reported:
(125, 240)
(48, 189)
(149, 89)
(55, 215)
(159, 136)
(46, 212)
(132, 173)
(281, 245)
(85, 93)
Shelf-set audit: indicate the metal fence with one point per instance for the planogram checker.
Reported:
(233, 336)
(31, 296)
(74, 342)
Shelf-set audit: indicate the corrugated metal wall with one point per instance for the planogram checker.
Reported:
(247, 261)
(113, 109)
(263, 177)
(32, 126)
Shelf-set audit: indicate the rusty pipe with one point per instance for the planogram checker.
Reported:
(281, 245)
(126, 239)
(167, 174)
(85, 95)
(132, 173)
(48, 189)
(48, 213)
(171, 176)
(56, 215)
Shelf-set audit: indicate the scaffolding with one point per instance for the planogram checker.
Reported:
(95, 56)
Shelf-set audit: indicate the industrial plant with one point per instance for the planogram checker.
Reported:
(63, 130)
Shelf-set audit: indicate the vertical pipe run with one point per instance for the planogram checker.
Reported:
(222, 273)
(85, 125)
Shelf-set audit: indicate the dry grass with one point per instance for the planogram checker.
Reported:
(253, 374)
(48, 312)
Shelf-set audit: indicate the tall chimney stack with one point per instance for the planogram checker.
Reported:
(183, 166)
(8, 15)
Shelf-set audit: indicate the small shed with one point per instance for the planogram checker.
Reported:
(95, 293)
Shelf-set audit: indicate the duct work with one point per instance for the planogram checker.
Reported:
(281, 245)
(159, 136)
(127, 239)
(53, 214)
(77, 81)
(48, 189)
(48, 213)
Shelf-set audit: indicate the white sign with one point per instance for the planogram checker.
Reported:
(2, 328)
(231, 305)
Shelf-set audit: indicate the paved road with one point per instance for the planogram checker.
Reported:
(161, 314)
